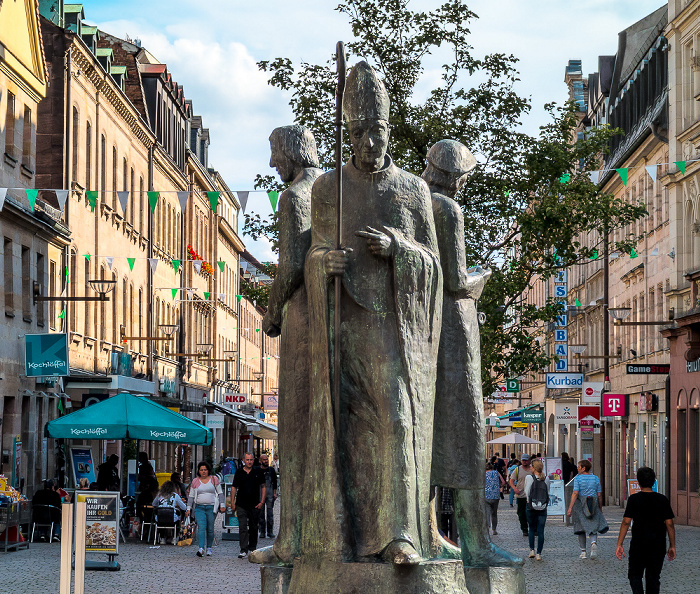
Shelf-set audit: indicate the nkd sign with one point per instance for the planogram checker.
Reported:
(564, 380)
(46, 355)
(234, 398)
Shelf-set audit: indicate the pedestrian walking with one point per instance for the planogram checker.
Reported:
(517, 483)
(586, 509)
(537, 492)
(568, 468)
(511, 470)
(247, 499)
(651, 517)
(494, 484)
(267, 517)
(204, 492)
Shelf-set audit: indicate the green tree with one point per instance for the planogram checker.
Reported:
(523, 219)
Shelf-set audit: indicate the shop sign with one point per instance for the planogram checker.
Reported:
(513, 385)
(215, 421)
(235, 398)
(46, 355)
(532, 416)
(614, 405)
(494, 421)
(651, 369)
(519, 425)
(648, 401)
(692, 366)
(167, 385)
(590, 394)
(565, 413)
(270, 402)
(102, 515)
(564, 380)
(553, 468)
(556, 505)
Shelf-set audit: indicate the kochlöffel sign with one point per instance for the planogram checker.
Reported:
(564, 380)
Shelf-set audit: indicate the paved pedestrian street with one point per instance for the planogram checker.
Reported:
(175, 569)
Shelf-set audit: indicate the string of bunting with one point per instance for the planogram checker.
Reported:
(152, 196)
(623, 172)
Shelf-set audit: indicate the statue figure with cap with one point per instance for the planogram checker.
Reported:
(294, 155)
(368, 487)
(458, 442)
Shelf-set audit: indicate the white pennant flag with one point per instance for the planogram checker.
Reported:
(3, 193)
(222, 297)
(595, 176)
(65, 290)
(243, 199)
(61, 196)
(190, 293)
(182, 197)
(651, 170)
(197, 265)
(109, 260)
(123, 199)
(154, 263)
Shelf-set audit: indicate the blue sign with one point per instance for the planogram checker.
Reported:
(560, 277)
(561, 335)
(561, 365)
(83, 464)
(561, 320)
(560, 290)
(46, 355)
(564, 380)
(560, 350)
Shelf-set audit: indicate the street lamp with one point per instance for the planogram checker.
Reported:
(578, 349)
(168, 329)
(619, 313)
(204, 347)
(100, 286)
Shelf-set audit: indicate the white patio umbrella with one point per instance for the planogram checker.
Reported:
(515, 438)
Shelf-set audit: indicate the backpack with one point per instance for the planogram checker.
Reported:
(538, 500)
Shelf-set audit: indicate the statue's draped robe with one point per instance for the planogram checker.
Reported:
(458, 444)
(287, 308)
(371, 486)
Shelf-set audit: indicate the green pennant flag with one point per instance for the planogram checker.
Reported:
(577, 302)
(257, 329)
(174, 292)
(153, 200)
(633, 254)
(564, 179)
(213, 199)
(594, 254)
(87, 257)
(239, 298)
(176, 265)
(60, 406)
(62, 315)
(273, 196)
(222, 265)
(206, 295)
(623, 172)
(31, 196)
(131, 262)
(681, 166)
(67, 273)
(92, 199)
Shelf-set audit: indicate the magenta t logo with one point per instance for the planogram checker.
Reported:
(614, 405)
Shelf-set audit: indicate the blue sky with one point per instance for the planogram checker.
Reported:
(211, 47)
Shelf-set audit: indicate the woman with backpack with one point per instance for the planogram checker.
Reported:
(537, 493)
(204, 492)
(586, 508)
(168, 497)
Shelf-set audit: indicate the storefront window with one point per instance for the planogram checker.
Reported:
(694, 449)
(682, 450)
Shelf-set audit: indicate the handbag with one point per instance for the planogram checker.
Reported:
(186, 533)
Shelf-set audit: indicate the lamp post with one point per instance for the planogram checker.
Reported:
(100, 286)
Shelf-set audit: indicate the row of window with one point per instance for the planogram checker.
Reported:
(18, 281)
(16, 128)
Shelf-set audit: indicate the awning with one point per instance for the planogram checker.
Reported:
(258, 428)
(128, 416)
(513, 413)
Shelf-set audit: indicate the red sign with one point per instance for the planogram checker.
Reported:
(588, 411)
(614, 405)
(234, 398)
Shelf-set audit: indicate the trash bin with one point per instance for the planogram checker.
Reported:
(162, 477)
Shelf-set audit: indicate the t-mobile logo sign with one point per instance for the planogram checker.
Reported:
(614, 405)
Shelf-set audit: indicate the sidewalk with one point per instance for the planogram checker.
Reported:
(175, 569)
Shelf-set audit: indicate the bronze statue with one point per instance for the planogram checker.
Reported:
(369, 485)
(294, 156)
(458, 442)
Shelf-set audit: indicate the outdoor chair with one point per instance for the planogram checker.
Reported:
(165, 519)
(45, 516)
(148, 520)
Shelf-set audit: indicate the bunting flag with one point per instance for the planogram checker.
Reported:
(273, 196)
(595, 176)
(109, 260)
(131, 263)
(623, 172)
(62, 196)
(62, 315)
(153, 200)
(222, 296)
(242, 199)
(64, 293)
(564, 179)
(222, 265)
(257, 329)
(92, 199)
(213, 200)
(197, 265)
(577, 303)
(174, 292)
(182, 197)
(651, 170)
(594, 254)
(239, 298)
(633, 254)
(59, 405)
(190, 294)
(31, 196)
(176, 265)
(654, 252)
(681, 166)
(3, 193)
(123, 200)
(207, 295)
(87, 257)
(154, 264)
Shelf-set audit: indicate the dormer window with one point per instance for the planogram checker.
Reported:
(105, 55)
(119, 75)
(90, 36)
(73, 17)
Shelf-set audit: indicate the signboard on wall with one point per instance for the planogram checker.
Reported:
(565, 413)
(591, 392)
(564, 380)
(270, 402)
(46, 355)
(614, 405)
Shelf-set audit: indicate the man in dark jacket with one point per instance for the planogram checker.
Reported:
(108, 475)
(267, 515)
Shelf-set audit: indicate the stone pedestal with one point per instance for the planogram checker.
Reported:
(429, 577)
(495, 580)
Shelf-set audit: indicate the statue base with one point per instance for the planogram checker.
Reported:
(429, 577)
(495, 580)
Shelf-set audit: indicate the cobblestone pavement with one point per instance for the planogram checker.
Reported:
(170, 569)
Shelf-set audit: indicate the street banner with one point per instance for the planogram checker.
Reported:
(82, 464)
(556, 505)
(590, 394)
(552, 468)
(101, 522)
(46, 355)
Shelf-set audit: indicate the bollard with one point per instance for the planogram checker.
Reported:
(80, 515)
(66, 547)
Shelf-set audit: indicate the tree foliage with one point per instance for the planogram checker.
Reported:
(522, 218)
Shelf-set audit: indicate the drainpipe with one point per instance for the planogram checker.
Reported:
(67, 150)
(667, 435)
(149, 284)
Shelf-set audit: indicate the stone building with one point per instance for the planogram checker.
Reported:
(34, 240)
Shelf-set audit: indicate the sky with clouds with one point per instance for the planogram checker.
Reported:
(211, 47)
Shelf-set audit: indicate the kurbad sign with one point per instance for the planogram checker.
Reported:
(564, 380)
